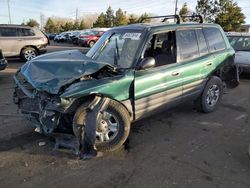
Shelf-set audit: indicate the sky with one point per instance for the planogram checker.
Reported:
(23, 10)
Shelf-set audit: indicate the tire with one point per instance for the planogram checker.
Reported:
(91, 43)
(122, 116)
(211, 96)
(28, 53)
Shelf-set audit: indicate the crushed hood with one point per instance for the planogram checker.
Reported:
(51, 71)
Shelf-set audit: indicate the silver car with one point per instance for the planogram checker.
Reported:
(23, 41)
(241, 44)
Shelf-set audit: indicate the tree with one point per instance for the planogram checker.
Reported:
(145, 15)
(184, 10)
(230, 16)
(100, 22)
(68, 26)
(208, 9)
(227, 13)
(83, 25)
(132, 19)
(76, 25)
(50, 26)
(120, 18)
(32, 23)
(109, 17)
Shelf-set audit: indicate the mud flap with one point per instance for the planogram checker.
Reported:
(231, 77)
(94, 110)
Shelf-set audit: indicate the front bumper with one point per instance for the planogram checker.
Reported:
(3, 64)
(244, 68)
(82, 42)
(42, 109)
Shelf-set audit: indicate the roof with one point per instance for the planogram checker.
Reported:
(245, 25)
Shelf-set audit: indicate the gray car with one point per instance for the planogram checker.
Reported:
(241, 44)
(23, 41)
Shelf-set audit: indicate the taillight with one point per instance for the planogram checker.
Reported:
(44, 39)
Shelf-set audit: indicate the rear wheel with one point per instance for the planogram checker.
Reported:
(28, 53)
(112, 127)
(211, 96)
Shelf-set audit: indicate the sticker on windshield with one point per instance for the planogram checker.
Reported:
(132, 36)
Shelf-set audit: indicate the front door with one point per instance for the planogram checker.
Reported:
(157, 87)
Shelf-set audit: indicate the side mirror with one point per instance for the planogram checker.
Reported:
(147, 62)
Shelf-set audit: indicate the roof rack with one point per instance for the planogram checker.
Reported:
(194, 16)
(176, 17)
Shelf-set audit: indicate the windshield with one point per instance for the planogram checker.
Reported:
(116, 48)
(240, 43)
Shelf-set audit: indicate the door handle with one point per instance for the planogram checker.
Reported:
(209, 63)
(175, 74)
(20, 39)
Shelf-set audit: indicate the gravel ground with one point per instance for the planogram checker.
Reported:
(176, 148)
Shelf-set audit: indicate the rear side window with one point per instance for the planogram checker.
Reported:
(25, 32)
(201, 42)
(188, 44)
(8, 32)
(214, 39)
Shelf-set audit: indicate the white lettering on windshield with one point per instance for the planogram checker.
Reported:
(132, 36)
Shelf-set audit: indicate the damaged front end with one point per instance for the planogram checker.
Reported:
(41, 108)
(53, 111)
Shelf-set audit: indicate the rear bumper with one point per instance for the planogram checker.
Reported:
(42, 49)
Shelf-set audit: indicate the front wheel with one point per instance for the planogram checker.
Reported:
(211, 96)
(91, 44)
(112, 128)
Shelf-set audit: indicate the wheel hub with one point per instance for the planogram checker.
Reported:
(213, 95)
(102, 127)
(107, 128)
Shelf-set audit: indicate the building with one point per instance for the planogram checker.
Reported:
(245, 28)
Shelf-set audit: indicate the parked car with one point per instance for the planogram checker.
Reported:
(51, 36)
(75, 36)
(23, 41)
(141, 68)
(89, 38)
(3, 61)
(241, 44)
(62, 37)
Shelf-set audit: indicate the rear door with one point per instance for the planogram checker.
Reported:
(9, 41)
(194, 58)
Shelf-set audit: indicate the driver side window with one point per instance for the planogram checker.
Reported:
(162, 47)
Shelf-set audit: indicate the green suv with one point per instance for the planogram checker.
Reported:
(142, 68)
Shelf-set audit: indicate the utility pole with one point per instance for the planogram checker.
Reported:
(176, 8)
(8, 1)
(76, 14)
(41, 20)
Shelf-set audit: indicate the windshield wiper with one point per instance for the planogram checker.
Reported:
(116, 54)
